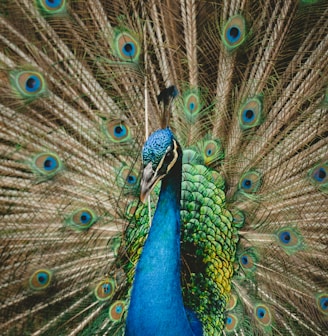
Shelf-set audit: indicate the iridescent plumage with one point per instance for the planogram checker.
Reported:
(243, 87)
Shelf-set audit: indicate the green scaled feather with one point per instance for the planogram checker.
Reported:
(208, 244)
(238, 218)
(208, 247)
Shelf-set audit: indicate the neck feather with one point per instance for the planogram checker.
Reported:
(156, 306)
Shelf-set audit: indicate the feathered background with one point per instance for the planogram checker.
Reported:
(79, 86)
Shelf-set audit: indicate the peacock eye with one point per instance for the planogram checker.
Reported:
(129, 49)
(244, 260)
(192, 105)
(32, 84)
(250, 182)
(246, 183)
(285, 237)
(262, 314)
(127, 178)
(248, 261)
(28, 84)
(40, 279)
(251, 113)
(119, 130)
(52, 6)
(289, 239)
(212, 151)
(105, 289)
(231, 322)
(234, 32)
(116, 310)
(319, 176)
(50, 163)
(46, 164)
(53, 3)
(81, 219)
(116, 131)
(85, 217)
(131, 179)
(169, 157)
(322, 302)
(126, 46)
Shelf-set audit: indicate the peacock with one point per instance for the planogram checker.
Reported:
(164, 167)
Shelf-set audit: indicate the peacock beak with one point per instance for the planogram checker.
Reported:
(148, 181)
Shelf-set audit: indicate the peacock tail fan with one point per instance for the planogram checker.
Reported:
(80, 81)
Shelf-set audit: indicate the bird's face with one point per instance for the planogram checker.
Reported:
(159, 154)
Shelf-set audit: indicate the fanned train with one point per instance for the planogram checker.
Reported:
(216, 110)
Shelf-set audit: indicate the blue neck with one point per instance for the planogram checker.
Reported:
(156, 306)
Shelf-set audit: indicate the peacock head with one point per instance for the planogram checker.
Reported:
(160, 154)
